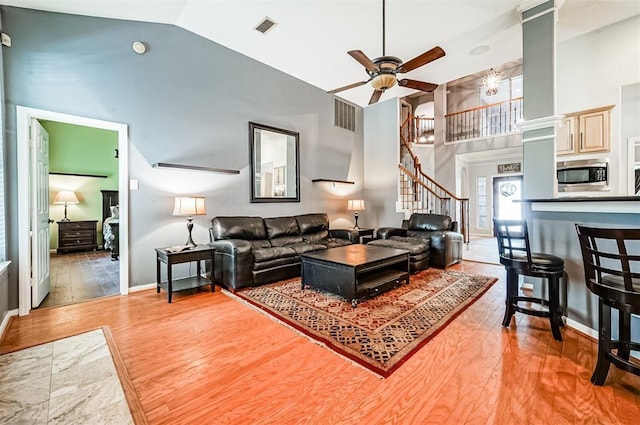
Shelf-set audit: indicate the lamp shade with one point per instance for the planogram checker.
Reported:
(66, 197)
(189, 205)
(355, 205)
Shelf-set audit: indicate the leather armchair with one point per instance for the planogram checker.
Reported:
(445, 242)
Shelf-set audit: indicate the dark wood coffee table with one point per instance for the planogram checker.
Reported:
(355, 272)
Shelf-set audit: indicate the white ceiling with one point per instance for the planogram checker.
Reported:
(312, 37)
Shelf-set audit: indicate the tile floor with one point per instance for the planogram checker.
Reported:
(68, 381)
(483, 250)
(80, 276)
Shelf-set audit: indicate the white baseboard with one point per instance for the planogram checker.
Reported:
(581, 328)
(139, 288)
(5, 321)
(588, 331)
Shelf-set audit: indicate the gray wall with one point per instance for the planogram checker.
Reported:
(187, 100)
(382, 154)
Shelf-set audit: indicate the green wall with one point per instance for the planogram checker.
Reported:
(80, 150)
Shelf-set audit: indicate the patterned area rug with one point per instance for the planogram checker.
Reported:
(382, 332)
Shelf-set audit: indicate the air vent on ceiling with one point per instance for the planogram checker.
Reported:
(344, 115)
(266, 25)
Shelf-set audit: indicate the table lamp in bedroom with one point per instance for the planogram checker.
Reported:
(66, 197)
(189, 206)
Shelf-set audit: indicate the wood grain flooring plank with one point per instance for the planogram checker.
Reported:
(207, 358)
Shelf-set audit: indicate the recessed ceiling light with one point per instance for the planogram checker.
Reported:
(479, 50)
(139, 47)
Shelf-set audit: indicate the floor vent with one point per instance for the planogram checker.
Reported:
(344, 115)
(266, 25)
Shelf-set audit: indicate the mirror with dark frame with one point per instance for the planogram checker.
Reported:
(275, 168)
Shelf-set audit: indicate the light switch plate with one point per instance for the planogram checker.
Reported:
(133, 184)
(5, 39)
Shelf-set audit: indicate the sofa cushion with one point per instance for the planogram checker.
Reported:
(312, 223)
(260, 244)
(415, 237)
(277, 262)
(267, 254)
(301, 248)
(333, 242)
(247, 228)
(398, 242)
(315, 237)
(429, 222)
(281, 226)
(286, 240)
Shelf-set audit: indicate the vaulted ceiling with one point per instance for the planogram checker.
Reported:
(312, 37)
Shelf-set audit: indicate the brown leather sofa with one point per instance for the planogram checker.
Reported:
(252, 251)
(432, 239)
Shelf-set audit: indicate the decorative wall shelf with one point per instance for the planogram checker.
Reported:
(99, 176)
(332, 181)
(194, 168)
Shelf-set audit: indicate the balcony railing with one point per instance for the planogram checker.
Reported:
(490, 120)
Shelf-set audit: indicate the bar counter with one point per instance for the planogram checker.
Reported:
(552, 230)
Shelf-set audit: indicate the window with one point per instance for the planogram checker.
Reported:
(481, 198)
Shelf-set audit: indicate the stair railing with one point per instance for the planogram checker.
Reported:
(420, 193)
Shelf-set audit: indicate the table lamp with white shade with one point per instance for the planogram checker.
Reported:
(66, 197)
(189, 206)
(355, 205)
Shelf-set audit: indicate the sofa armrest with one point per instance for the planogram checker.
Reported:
(233, 263)
(350, 234)
(446, 248)
(387, 232)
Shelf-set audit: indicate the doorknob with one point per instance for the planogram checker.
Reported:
(50, 221)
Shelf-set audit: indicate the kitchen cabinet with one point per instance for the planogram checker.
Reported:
(585, 132)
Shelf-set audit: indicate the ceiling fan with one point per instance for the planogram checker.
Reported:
(383, 71)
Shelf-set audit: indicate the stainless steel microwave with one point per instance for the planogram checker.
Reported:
(583, 175)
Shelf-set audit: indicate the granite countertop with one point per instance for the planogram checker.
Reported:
(587, 199)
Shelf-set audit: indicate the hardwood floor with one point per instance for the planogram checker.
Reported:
(81, 276)
(206, 358)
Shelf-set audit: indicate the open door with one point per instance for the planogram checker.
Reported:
(40, 278)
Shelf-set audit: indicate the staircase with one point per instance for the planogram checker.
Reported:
(419, 193)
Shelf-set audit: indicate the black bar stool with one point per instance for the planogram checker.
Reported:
(613, 274)
(516, 256)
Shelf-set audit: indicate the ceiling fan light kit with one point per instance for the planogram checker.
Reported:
(383, 71)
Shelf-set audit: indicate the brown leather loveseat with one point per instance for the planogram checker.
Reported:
(252, 251)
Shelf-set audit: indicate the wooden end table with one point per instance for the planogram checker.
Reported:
(197, 253)
(366, 234)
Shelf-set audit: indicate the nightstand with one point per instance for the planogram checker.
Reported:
(77, 236)
(170, 257)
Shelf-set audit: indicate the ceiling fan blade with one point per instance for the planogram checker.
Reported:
(363, 59)
(419, 85)
(375, 97)
(350, 86)
(423, 59)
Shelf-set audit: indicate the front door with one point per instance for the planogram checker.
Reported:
(40, 279)
(506, 190)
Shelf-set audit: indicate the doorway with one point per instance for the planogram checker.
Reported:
(82, 169)
(26, 118)
(506, 190)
